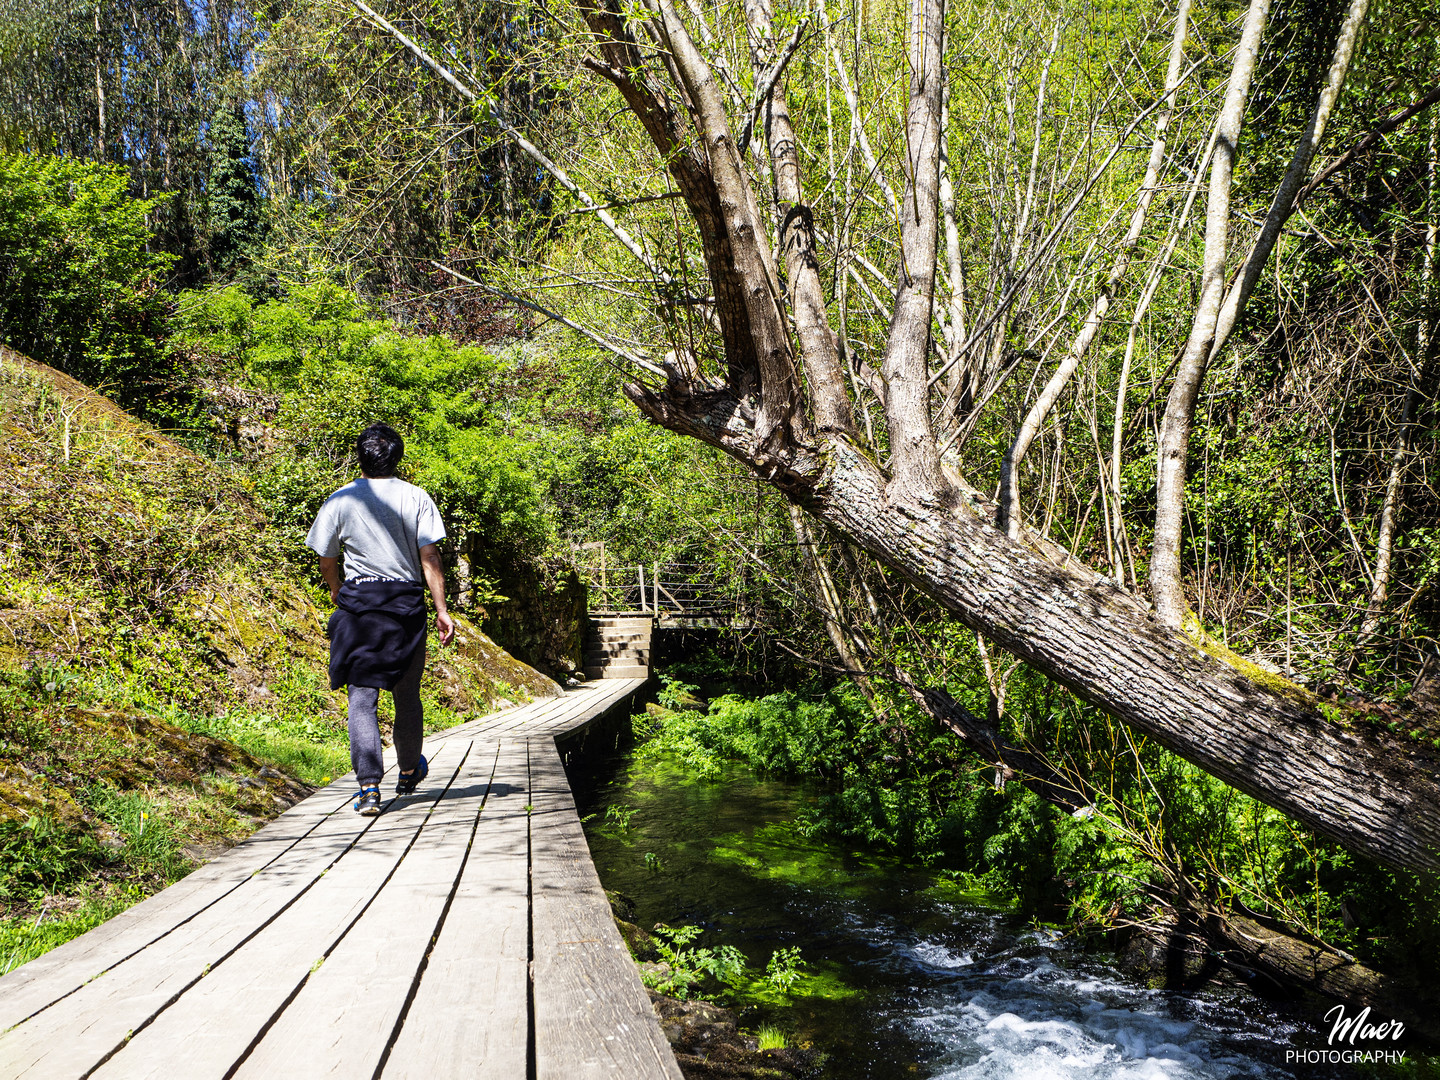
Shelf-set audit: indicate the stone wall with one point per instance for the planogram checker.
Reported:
(542, 621)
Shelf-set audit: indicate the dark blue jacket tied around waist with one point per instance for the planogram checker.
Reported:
(375, 631)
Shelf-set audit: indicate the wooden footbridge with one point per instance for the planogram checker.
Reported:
(462, 933)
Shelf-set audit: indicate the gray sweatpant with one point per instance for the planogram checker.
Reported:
(365, 749)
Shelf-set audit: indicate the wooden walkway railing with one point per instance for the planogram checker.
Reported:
(462, 933)
(674, 594)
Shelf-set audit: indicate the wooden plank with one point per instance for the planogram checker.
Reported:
(487, 724)
(592, 1015)
(599, 706)
(595, 696)
(469, 1016)
(210, 1027)
(519, 718)
(50, 978)
(35, 985)
(343, 1017)
(516, 724)
(74, 1035)
(222, 969)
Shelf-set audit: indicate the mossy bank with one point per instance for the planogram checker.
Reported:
(163, 684)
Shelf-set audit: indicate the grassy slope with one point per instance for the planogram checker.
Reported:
(162, 663)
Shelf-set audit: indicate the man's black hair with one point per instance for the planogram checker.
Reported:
(379, 449)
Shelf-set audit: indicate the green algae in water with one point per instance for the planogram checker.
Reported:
(830, 983)
(732, 855)
(780, 852)
(906, 971)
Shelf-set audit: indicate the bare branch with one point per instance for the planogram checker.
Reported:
(608, 346)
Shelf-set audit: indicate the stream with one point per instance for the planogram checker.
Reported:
(907, 974)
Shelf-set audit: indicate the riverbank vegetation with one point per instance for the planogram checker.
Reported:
(1035, 355)
(1154, 823)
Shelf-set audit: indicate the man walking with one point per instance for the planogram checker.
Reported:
(386, 530)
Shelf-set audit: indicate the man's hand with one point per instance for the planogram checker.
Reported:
(435, 579)
(330, 571)
(446, 625)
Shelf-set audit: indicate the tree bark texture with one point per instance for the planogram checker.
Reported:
(691, 173)
(821, 358)
(779, 392)
(99, 90)
(915, 458)
(1348, 782)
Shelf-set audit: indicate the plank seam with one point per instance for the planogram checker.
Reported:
(439, 927)
(335, 944)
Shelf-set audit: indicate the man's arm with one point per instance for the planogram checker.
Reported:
(330, 571)
(435, 579)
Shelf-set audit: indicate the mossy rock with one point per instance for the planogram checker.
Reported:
(621, 906)
(641, 943)
(708, 1043)
(24, 794)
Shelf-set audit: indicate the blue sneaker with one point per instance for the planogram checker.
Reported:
(406, 783)
(367, 803)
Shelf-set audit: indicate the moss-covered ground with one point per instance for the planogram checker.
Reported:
(163, 684)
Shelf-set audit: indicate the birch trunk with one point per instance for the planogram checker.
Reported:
(1165, 583)
(1283, 204)
(915, 457)
(99, 91)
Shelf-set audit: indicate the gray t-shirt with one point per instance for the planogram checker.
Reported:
(380, 525)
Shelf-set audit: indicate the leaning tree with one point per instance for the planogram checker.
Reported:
(776, 359)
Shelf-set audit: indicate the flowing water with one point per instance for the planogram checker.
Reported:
(907, 974)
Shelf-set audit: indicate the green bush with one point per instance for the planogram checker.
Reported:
(79, 289)
(317, 369)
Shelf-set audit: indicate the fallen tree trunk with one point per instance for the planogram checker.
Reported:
(1374, 793)
(1349, 782)
(1293, 961)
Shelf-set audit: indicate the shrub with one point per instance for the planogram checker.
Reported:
(78, 288)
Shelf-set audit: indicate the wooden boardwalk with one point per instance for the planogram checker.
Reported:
(462, 933)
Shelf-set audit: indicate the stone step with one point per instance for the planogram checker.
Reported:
(613, 647)
(617, 650)
(623, 659)
(626, 671)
